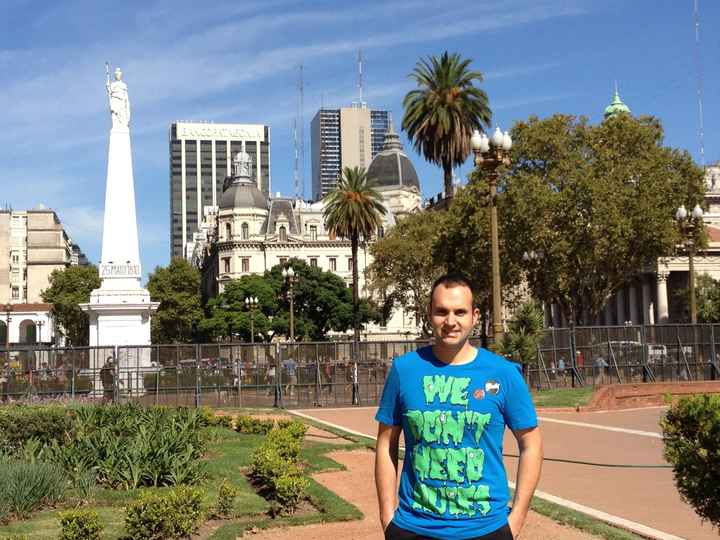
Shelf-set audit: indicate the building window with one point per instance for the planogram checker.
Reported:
(15, 293)
(313, 262)
(283, 260)
(282, 233)
(226, 265)
(333, 264)
(15, 258)
(245, 261)
(350, 264)
(228, 231)
(313, 232)
(245, 231)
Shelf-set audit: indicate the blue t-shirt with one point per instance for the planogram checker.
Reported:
(453, 482)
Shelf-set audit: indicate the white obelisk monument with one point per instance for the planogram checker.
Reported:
(120, 309)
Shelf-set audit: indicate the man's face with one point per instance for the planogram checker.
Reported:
(452, 315)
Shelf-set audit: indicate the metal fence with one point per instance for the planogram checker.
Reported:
(218, 375)
(333, 373)
(588, 356)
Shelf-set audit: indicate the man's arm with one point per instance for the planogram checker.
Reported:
(386, 469)
(528, 473)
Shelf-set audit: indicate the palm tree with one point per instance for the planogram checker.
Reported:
(441, 114)
(354, 210)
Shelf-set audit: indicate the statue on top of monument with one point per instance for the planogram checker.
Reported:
(119, 100)
(242, 164)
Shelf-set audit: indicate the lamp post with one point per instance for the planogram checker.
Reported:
(8, 309)
(490, 154)
(690, 227)
(289, 275)
(39, 324)
(252, 303)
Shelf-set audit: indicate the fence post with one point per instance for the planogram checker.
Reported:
(573, 355)
(116, 381)
(72, 376)
(198, 387)
(278, 401)
(239, 378)
(713, 358)
(355, 384)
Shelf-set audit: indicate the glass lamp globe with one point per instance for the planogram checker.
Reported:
(476, 140)
(485, 146)
(507, 141)
(681, 213)
(697, 212)
(290, 272)
(497, 138)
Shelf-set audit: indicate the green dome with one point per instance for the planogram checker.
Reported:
(617, 106)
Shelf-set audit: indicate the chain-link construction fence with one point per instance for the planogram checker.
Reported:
(333, 373)
(589, 356)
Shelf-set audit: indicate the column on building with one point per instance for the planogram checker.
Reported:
(620, 301)
(648, 317)
(662, 297)
(632, 300)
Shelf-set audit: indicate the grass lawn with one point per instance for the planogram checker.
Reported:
(562, 397)
(229, 453)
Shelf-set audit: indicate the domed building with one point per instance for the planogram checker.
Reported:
(395, 177)
(616, 106)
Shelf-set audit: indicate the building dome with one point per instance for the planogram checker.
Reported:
(392, 167)
(245, 195)
(616, 106)
(242, 191)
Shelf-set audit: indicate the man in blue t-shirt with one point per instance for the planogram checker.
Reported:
(452, 402)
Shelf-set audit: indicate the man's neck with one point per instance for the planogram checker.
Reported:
(464, 354)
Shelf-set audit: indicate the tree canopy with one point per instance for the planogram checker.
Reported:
(441, 114)
(68, 288)
(322, 303)
(404, 265)
(177, 288)
(594, 202)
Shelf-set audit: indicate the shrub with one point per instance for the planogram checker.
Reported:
(691, 431)
(253, 426)
(275, 466)
(175, 514)
(129, 446)
(226, 499)
(209, 418)
(20, 423)
(25, 487)
(80, 525)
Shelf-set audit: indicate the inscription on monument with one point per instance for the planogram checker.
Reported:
(119, 270)
(228, 132)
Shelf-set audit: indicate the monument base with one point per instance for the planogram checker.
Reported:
(121, 318)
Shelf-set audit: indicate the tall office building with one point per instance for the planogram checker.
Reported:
(200, 161)
(345, 137)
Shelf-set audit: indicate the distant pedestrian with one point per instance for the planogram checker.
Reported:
(290, 367)
(107, 378)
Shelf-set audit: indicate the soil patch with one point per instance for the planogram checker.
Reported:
(356, 485)
(624, 396)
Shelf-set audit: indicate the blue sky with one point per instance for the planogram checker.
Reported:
(237, 61)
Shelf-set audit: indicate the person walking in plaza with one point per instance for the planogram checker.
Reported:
(452, 403)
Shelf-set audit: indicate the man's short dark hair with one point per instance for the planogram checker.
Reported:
(452, 279)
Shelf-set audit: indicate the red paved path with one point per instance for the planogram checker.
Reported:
(647, 496)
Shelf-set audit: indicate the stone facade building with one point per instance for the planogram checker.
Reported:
(249, 233)
(33, 243)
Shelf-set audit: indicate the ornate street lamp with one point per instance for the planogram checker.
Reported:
(690, 227)
(490, 154)
(252, 303)
(289, 275)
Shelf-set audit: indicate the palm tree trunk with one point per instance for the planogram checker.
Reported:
(356, 297)
(447, 179)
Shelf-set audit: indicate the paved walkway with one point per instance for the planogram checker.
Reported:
(356, 486)
(646, 496)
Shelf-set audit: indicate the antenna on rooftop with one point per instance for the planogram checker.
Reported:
(698, 65)
(299, 140)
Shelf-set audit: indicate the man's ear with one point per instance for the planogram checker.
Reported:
(476, 315)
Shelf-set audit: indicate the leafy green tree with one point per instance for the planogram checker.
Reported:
(404, 265)
(69, 288)
(228, 313)
(595, 202)
(707, 297)
(354, 210)
(441, 114)
(524, 333)
(177, 288)
(322, 303)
